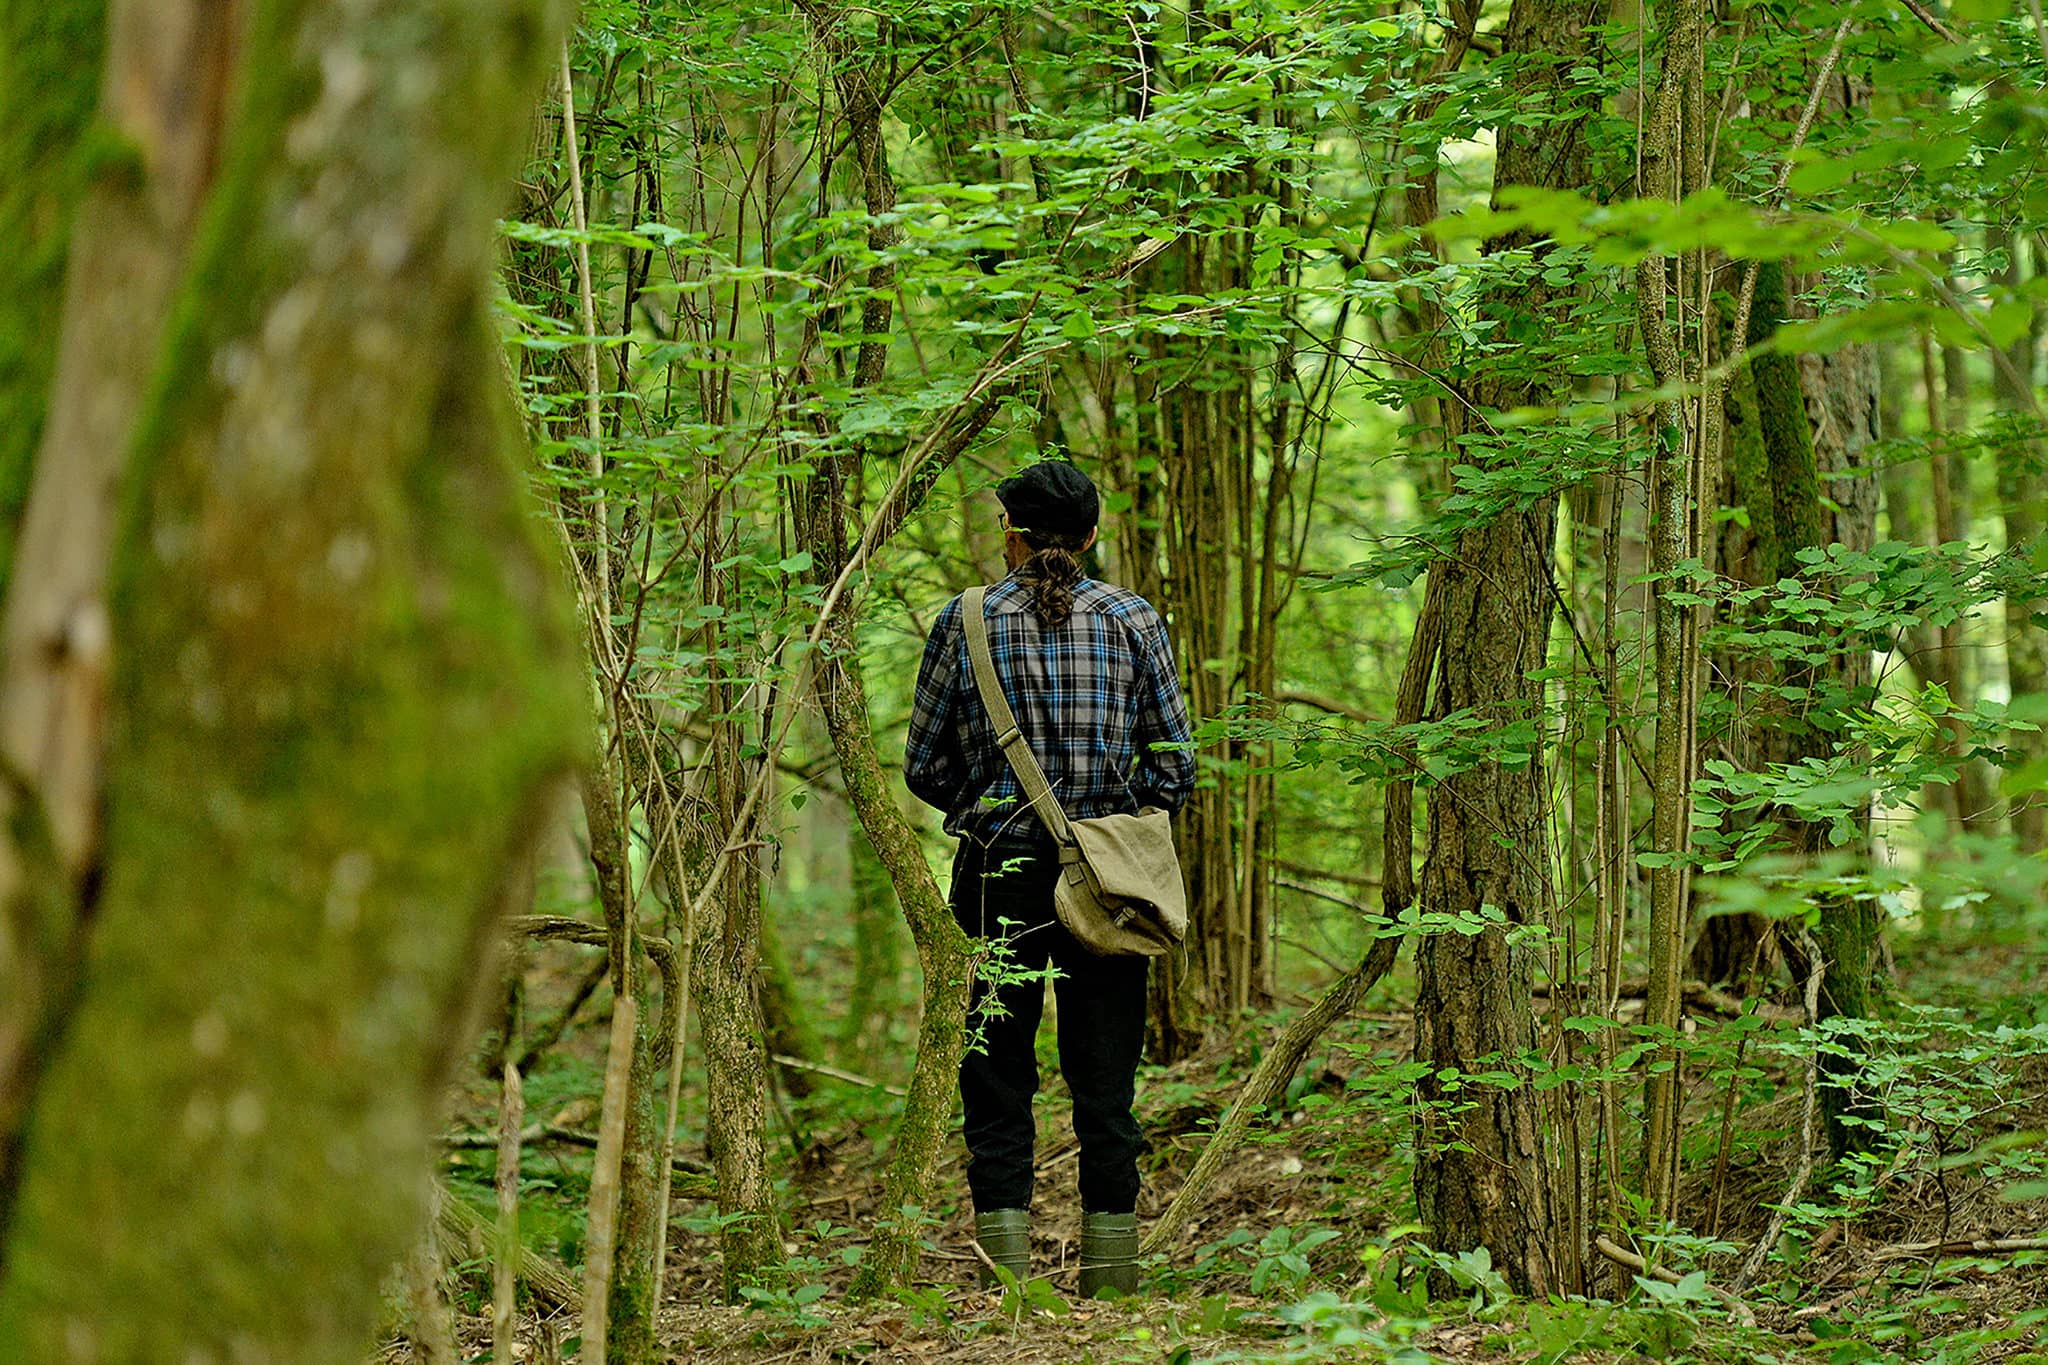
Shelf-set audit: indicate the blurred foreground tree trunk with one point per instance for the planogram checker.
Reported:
(340, 680)
(49, 69)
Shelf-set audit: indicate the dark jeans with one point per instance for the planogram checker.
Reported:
(1101, 1032)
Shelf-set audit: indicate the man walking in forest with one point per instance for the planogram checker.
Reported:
(1088, 671)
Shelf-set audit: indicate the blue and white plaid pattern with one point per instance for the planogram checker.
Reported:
(1097, 700)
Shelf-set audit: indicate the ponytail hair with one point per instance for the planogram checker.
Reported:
(1052, 571)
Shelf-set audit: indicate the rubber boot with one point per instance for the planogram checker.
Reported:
(1109, 1254)
(1005, 1235)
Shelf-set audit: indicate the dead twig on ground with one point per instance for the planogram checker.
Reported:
(1627, 1259)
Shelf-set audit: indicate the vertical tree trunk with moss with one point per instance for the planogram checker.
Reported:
(1796, 399)
(941, 954)
(823, 515)
(327, 584)
(1725, 946)
(49, 76)
(80, 386)
(726, 987)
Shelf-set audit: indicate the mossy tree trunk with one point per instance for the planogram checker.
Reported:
(822, 516)
(736, 1071)
(1725, 946)
(326, 584)
(725, 981)
(1796, 398)
(49, 76)
(942, 957)
(71, 391)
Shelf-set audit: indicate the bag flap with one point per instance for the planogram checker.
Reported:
(1132, 859)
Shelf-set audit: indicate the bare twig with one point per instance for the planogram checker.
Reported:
(1627, 1259)
(1739, 333)
(1809, 1111)
(601, 627)
(1966, 1246)
(1330, 705)
(852, 1078)
(1933, 21)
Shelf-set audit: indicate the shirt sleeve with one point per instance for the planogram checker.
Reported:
(1166, 760)
(933, 768)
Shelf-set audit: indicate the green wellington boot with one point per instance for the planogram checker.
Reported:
(1109, 1254)
(1005, 1235)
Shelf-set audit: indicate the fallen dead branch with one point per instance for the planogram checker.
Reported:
(696, 1184)
(1628, 1260)
(1966, 1246)
(469, 1236)
(1267, 1082)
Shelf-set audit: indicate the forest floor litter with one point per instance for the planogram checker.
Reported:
(1937, 1250)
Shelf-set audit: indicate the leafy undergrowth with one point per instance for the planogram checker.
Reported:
(1304, 1249)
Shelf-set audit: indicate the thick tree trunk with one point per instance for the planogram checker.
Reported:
(1482, 1175)
(328, 585)
(725, 986)
(1818, 416)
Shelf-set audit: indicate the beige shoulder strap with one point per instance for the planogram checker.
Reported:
(1031, 777)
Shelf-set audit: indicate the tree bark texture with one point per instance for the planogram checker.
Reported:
(1482, 1176)
(726, 990)
(1672, 166)
(1818, 416)
(326, 583)
(1841, 391)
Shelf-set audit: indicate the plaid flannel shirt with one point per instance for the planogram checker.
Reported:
(1097, 700)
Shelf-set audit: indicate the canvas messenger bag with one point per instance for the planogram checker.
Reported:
(1119, 891)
